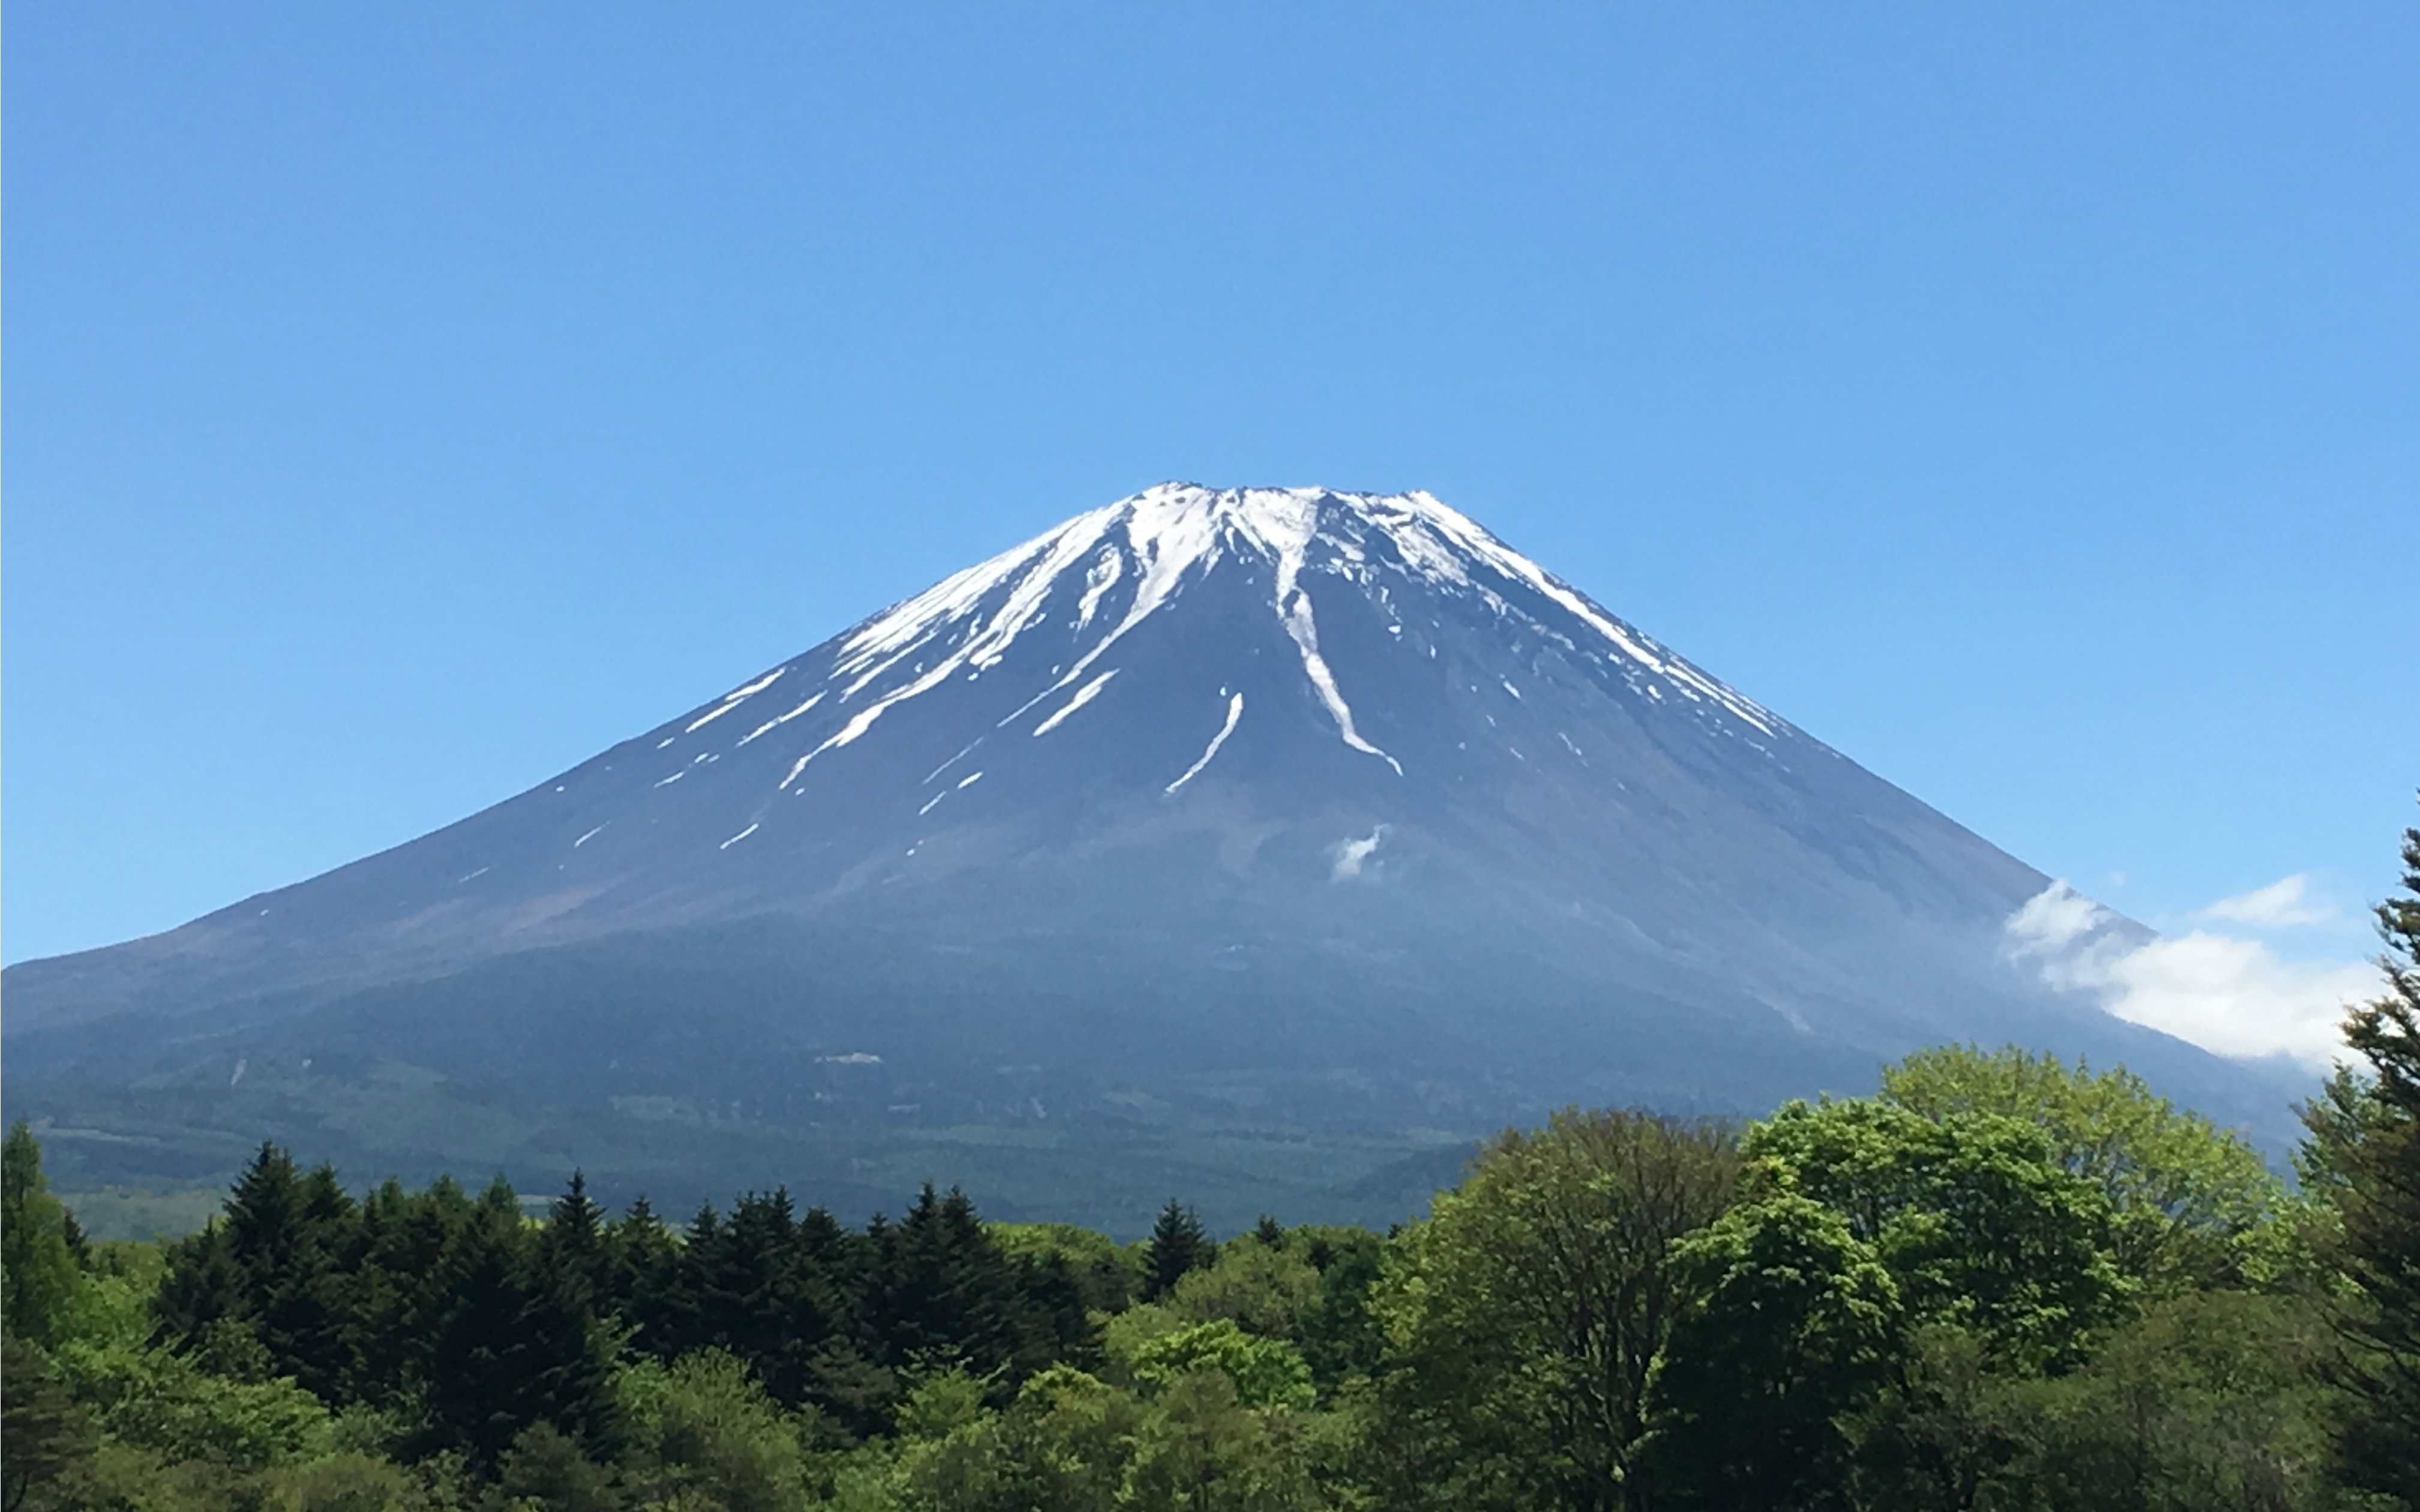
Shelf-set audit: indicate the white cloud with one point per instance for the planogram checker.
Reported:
(2238, 997)
(1351, 854)
(2283, 902)
(2069, 935)
(2229, 995)
(2053, 919)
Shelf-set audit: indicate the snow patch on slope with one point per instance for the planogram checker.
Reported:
(1234, 712)
(1083, 695)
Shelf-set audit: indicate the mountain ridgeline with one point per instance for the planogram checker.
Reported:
(1266, 844)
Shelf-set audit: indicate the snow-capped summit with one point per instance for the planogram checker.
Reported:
(1059, 618)
(1287, 812)
(1134, 557)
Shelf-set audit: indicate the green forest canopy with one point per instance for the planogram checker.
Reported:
(2002, 1281)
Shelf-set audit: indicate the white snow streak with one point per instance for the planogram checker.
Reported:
(1305, 639)
(908, 626)
(757, 687)
(592, 834)
(1235, 712)
(1106, 569)
(953, 760)
(781, 719)
(736, 839)
(1463, 532)
(733, 700)
(1083, 695)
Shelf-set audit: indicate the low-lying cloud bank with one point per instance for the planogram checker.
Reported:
(2227, 993)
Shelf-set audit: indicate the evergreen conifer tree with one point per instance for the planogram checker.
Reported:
(514, 1347)
(278, 1266)
(264, 1217)
(474, 1387)
(2367, 1144)
(409, 1240)
(305, 1313)
(49, 1439)
(203, 1288)
(682, 1320)
(563, 1344)
(761, 1293)
(941, 1290)
(1055, 1325)
(642, 1262)
(572, 1251)
(1178, 1244)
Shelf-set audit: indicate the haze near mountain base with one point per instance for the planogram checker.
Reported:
(1262, 844)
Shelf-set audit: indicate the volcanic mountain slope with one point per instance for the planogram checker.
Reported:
(1259, 836)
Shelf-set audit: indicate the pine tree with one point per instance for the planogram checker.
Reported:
(573, 1252)
(940, 1289)
(473, 1384)
(291, 1236)
(264, 1216)
(2368, 1143)
(408, 1244)
(682, 1320)
(50, 1440)
(1054, 1324)
(642, 1262)
(1178, 1244)
(308, 1316)
(760, 1297)
(563, 1344)
(203, 1288)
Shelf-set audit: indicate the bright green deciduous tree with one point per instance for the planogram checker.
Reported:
(1974, 1216)
(1266, 1372)
(1262, 1287)
(1527, 1315)
(1202, 1448)
(706, 1434)
(2194, 1205)
(1067, 1442)
(1793, 1328)
(40, 1284)
(167, 1403)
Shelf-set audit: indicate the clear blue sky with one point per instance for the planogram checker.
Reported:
(403, 403)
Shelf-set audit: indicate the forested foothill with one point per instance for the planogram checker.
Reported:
(2001, 1282)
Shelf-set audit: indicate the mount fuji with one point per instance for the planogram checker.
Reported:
(1262, 845)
